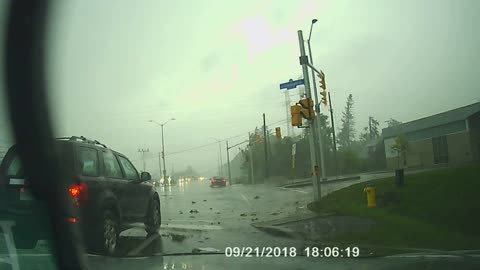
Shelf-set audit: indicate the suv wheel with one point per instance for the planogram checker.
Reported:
(108, 233)
(154, 218)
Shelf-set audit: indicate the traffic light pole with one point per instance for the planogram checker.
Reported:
(228, 158)
(313, 157)
(317, 109)
(333, 134)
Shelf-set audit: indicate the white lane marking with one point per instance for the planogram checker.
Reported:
(10, 243)
(245, 198)
(143, 245)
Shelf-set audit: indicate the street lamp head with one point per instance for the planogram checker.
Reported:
(314, 21)
(173, 119)
(150, 120)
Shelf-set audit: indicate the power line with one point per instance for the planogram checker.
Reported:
(209, 144)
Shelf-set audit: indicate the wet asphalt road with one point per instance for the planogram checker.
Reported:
(197, 216)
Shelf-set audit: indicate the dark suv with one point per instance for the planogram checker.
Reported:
(105, 188)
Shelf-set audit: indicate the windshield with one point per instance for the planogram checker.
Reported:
(328, 128)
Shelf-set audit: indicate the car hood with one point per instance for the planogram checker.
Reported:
(220, 261)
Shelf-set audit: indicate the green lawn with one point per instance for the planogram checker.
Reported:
(437, 209)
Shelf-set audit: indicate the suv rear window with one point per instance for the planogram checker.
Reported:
(11, 165)
(88, 161)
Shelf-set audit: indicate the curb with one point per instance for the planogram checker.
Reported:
(279, 231)
(274, 226)
(286, 220)
(309, 182)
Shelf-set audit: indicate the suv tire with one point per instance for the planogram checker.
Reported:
(107, 233)
(154, 218)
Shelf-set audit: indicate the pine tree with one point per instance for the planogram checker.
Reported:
(347, 131)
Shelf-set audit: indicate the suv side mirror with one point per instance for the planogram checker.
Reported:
(145, 176)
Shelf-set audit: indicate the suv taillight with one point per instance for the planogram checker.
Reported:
(79, 193)
(214, 180)
(224, 180)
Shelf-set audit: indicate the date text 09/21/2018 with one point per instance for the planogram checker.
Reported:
(275, 252)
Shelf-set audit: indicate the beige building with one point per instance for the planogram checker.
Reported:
(447, 138)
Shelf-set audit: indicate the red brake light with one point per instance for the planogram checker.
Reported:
(214, 180)
(74, 191)
(79, 192)
(72, 220)
(224, 180)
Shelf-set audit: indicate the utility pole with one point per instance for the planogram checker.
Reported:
(250, 153)
(370, 127)
(265, 143)
(333, 134)
(143, 151)
(228, 164)
(312, 134)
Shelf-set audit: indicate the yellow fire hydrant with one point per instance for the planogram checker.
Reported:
(371, 197)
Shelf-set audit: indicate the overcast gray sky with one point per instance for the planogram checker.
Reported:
(216, 65)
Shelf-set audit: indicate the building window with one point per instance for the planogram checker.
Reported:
(440, 150)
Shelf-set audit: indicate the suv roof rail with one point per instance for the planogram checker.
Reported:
(82, 139)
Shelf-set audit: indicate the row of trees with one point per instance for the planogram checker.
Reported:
(353, 155)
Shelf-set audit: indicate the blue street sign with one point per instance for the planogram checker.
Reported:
(291, 84)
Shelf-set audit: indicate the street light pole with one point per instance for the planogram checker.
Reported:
(163, 156)
(219, 155)
(317, 106)
(312, 134)
(163, 146)
(221, 161)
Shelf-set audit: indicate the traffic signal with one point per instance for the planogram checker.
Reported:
(278, 133)
(321, 75)
(258, 140)
(324, 97)
(307, 110)
(296, 115)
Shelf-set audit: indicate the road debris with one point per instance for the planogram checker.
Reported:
(256, 197)
(177, 237)
(243, 215)
(193, 211)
